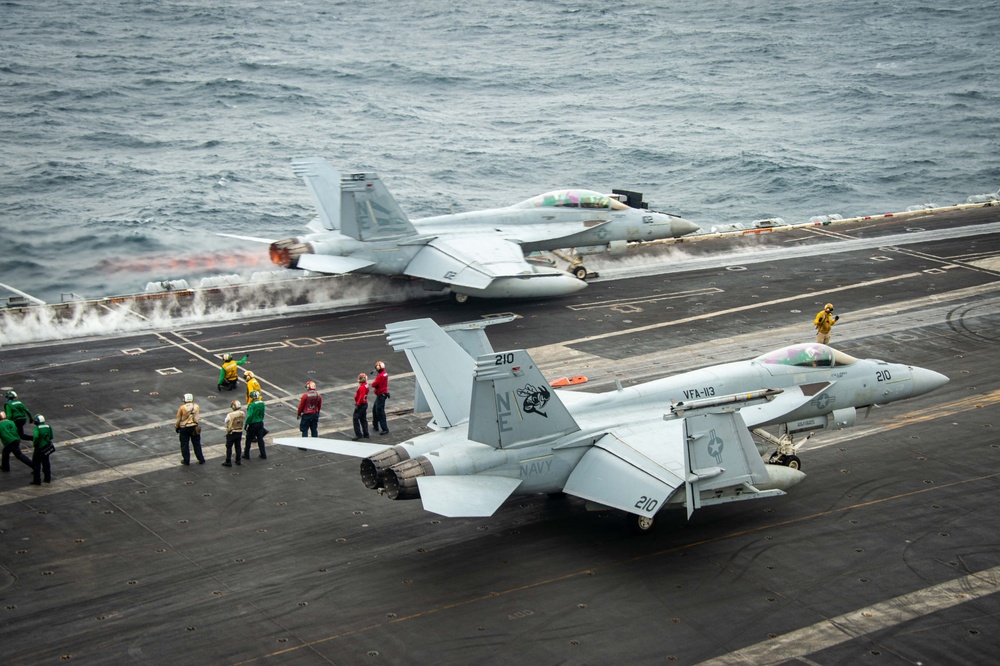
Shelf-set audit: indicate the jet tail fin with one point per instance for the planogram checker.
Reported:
(512, 404)
(323, 182)
(368, 212)
(443, 369)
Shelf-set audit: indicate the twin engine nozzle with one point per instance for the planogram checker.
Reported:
(394, 470)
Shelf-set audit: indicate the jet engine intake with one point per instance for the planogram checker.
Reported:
(373, 467)
(401, 478)
(286, 253)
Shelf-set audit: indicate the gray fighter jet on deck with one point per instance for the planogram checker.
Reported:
(361, 229)
(680, 441)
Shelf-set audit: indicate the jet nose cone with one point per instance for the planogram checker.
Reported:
(925, 381)
(681, 227)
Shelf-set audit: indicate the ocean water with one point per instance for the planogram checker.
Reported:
(132, 131)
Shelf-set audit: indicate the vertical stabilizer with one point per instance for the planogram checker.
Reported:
(323, 182)
(443, 369)
(368, 212)
(512, 403)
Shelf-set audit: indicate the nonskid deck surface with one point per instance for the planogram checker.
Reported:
(884, 554)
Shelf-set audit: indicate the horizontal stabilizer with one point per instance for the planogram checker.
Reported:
(341, 447)
(325, 263)
(323, 182)
(253, 239)
(465, 496)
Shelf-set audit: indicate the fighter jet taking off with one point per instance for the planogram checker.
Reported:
(361, 229)
(680, 441)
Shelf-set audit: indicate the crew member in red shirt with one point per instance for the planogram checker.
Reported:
(361, 408)
(380, 387)
(309, 405)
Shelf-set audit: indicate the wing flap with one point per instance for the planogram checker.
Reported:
(477, 496)
(355, 449)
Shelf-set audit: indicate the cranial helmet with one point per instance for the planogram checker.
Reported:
(235, 404)
(362, 377)
(379, 365)
(11, 395)
(227, 357)
(39, 418)
(829, 307)
(188, 397)
(255, 395)
(311, 385)
(249, 374)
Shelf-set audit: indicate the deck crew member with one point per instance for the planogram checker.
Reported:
(234, 432)
(823, 322)
(252, 385)
(186, 425)
(11, 441)
(228, 377)
(255, 425)
(18, 413)
(361, 408)
(309, 406)
(42, 440)
(380, 387)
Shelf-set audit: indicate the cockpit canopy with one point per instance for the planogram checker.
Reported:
(809, 355)
(573, 199)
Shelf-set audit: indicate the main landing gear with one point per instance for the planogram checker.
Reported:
(639, 524)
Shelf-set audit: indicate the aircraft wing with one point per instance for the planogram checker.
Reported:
(327, 263)
(355, 449)
(468, 261)
(638, 469)
(474, 496)
(634, 463)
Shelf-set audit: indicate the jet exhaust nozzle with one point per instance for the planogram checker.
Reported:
(373, 467)
(401, 478)
(286, 253)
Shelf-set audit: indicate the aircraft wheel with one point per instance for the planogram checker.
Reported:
(640, 524)
(792, 461)
(461, 298)
(580, 272)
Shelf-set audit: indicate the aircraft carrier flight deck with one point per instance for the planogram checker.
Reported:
(887, 553)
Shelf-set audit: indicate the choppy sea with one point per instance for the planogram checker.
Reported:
(132, 131)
